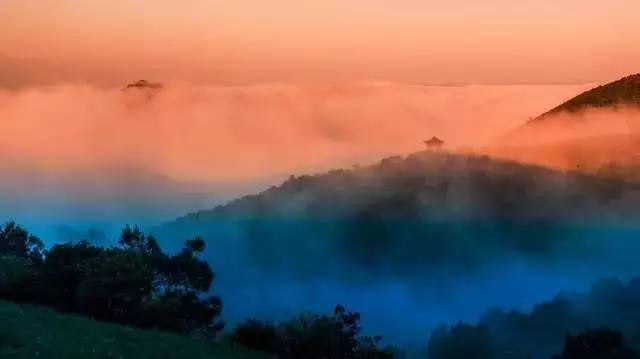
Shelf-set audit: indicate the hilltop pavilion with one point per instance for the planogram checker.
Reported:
(434, 143)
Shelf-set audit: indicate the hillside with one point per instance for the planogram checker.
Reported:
(32, 332)
(419, 212)
(597, 127)
(410, 234)
(625, 91)
(427, 185)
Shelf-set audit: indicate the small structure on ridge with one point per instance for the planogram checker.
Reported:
(434, 143)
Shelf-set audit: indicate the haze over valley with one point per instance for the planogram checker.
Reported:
(320, 179)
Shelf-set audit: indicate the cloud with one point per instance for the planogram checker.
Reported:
(589, 139)
(210, 133)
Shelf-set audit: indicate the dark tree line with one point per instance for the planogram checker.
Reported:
(461, 341)
(136, 283)
(609, 303)
(312, 337)
(464, 341)
(596, 344)
(133, 283)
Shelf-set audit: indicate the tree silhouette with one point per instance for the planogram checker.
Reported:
(134, 283)
(460, 341)
(596, 344)
(312, 336)
(16, 241)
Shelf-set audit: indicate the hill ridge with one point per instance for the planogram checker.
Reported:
(625, 91)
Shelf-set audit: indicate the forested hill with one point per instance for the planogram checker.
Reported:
(594, 128)
(625, 91)
(420, 210)
(430, 185)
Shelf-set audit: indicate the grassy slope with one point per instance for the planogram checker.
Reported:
(39, 332)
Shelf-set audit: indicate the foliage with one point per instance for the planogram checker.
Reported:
(609, 303)
(414, 214)
(133, 283)
(312, 336)
(596, 344)
(16, 241)
(461, 341)
(625, 91)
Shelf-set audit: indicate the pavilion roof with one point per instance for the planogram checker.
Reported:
(434, 141)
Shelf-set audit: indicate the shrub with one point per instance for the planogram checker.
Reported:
(311, 336)
(596, 344)
(460, 341)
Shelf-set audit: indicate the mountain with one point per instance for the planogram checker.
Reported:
(32, 332)
(596, 128)
(409, 213)
(143, 84)
(625, 91)
(435, 207)
(429, 184)
(413, 233)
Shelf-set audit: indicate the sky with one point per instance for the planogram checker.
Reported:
(241, 42)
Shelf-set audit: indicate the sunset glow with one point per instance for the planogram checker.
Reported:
(304, 179)
(249, 42)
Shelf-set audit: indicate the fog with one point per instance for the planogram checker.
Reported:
(271, 278)
(76, 157)
(67, 147)
(378, 240)
(238, 133)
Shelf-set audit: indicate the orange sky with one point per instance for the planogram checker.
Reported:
(246, 42)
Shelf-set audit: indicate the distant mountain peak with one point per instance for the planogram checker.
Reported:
(143, 84)
(625, 91)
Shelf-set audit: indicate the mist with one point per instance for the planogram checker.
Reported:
(586, 140)
(79, 160)
(68, 150)
(237, 133)
(381, 241)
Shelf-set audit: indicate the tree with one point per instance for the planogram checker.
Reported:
(16, 241)
(257, 335)
(596, 344)
(134, 283)
(312, 337)
(461, 341)
(132, 238)
(185, 272)
(196, 245)
(113, 285)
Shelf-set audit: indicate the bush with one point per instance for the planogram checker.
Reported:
(461, 341)
(596, 344)
(311, 336)
(258, 336)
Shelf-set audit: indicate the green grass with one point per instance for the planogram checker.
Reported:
(38, 332)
